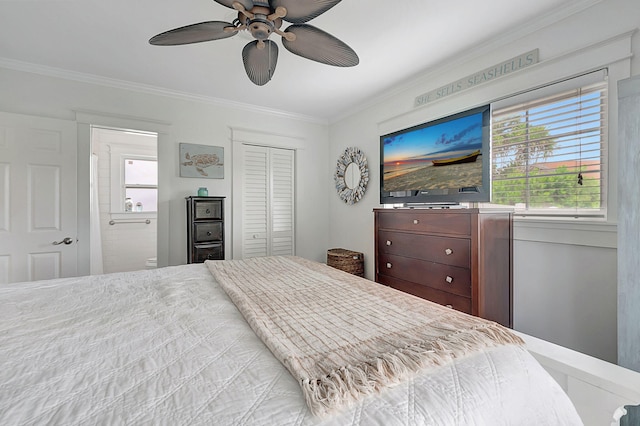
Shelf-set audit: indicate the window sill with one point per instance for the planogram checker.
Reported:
(582, 232)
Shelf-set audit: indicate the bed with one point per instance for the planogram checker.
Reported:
(169, 346)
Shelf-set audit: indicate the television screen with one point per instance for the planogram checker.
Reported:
(441, 161)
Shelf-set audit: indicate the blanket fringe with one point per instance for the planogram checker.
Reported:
(342, 387)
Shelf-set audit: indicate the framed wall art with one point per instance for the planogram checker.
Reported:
(201, 161)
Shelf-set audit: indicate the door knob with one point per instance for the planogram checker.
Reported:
(66, 241)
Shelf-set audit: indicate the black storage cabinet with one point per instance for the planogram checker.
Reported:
(205, 229)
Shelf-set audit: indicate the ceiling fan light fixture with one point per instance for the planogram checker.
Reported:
(260, 29)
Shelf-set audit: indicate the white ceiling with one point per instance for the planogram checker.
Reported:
(395, 41)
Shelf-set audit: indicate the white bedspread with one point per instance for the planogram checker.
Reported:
(167, 346)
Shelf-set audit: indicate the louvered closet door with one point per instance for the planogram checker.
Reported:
(267, 201)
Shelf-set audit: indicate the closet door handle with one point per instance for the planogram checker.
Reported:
(388, 242)
(389, 265)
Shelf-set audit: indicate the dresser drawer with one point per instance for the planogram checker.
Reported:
(416, 220)
(451, 279)
(450, 251)
(459, 303)
(207, 209)
(202, 252)
(207, 231)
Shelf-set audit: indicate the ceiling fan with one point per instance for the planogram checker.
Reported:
(261, 19)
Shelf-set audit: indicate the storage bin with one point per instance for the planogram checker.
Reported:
(346, 260)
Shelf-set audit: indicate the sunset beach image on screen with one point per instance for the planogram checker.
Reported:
(408, 155)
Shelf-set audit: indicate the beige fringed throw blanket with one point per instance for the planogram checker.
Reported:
(341, 336)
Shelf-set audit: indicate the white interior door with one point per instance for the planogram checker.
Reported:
(38, 203)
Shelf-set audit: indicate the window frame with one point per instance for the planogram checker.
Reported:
(535, 95)
(117, 185)
(126, 186)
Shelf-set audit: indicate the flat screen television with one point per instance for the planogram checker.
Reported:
(444, 161)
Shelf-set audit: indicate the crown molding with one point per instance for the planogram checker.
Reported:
(425, 76)
(15, 65)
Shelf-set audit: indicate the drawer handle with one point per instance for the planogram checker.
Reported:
(389, 265)
(207, 211)
(388, 242)
(416, 221)
(449, 279)
(449, 306)
(448, 251)
(208, 233)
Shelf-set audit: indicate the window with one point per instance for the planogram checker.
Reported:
(140, 184)
(549, 152)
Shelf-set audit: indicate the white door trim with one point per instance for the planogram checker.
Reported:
(85, 120)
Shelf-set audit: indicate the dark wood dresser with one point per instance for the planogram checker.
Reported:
(461, 258)
(205, 229)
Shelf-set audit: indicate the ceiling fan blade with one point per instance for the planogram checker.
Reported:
(260, 63)
(248, 4)
(301, 11)
(195, 33)
(317, 45)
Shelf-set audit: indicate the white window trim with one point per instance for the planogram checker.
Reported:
(118, 154)
(553, 90)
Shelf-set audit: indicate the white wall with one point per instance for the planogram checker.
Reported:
(565, 279)
(181, 120)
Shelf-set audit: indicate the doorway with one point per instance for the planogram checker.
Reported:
(124, 200)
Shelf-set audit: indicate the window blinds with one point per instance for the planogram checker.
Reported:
(549, 152)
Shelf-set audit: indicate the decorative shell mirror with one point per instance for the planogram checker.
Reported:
(352, 175)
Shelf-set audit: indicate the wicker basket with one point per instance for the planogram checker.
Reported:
(346, 260)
